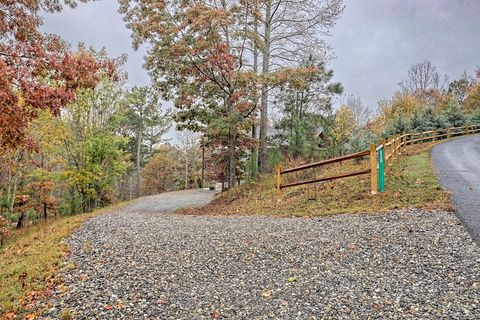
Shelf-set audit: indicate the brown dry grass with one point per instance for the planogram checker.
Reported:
(30, 258)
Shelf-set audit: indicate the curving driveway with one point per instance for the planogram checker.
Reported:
(458, 166)
(144, 262)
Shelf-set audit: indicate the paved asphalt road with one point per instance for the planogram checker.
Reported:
(458, 165)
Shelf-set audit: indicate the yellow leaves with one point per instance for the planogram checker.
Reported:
(66, 314)
(296, 78)
(402, 103)
(31, 316)
(472, 103)
(266, 293)
(292, 279)
(49, 132)
(344, 124)
(71, 266)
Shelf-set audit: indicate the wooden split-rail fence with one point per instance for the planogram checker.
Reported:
(385, 152)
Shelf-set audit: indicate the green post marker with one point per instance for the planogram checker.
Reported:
(381, 169)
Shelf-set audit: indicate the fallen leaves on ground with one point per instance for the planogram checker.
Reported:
(216, 314)
(266, 293)
(162, 301)
(10, 315)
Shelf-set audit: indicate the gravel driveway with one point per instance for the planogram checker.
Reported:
(458, 165)
(138, 264)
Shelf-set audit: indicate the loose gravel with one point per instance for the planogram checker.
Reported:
(138, 264)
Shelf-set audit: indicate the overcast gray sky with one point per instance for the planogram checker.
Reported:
(375, 41)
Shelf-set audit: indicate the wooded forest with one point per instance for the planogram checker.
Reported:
(246, 84)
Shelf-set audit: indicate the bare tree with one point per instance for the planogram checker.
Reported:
(189, 145)
(424, 76)
(291, 30)
(361, 113)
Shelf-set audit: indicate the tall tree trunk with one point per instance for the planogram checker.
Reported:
(139, 169)
(9, 186)
(203, 166)
(72, 201)
(254, 155)
(186, 170)
(14, 194)
(232, 176)
(262, 159)
(20, 220)
(130, 178)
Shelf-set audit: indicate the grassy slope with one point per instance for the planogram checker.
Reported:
(30, 258)
(410, 182)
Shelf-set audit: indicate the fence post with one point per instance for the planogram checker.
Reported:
(373, 169)
(279, 177)
(383, 141)
(400, 139)
(421, 137)
(403, 141)
(411, 138)
(466, 129)
(434, 137)
(394, 147)
(448, 133)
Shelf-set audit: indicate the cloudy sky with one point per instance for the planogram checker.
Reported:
(375, 41)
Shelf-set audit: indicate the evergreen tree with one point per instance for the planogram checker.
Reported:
(304, 110)
(453, 115)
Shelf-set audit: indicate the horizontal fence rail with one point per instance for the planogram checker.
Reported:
(385, 152)
(328, 161)
(393, 147)
(281, 171)
(345, 175)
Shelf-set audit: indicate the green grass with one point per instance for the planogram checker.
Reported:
(30, 258)
(410, 183)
